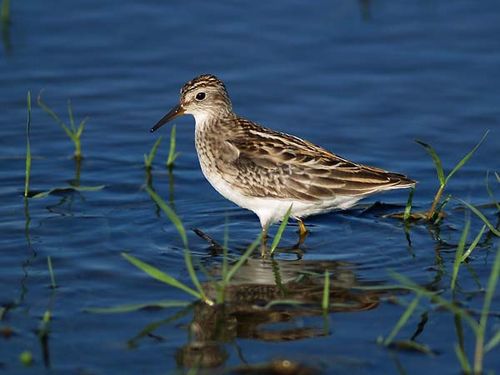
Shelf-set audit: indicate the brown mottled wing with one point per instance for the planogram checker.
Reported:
(272, 164)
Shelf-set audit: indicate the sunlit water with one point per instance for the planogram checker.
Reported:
(360, 78)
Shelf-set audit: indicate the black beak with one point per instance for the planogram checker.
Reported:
(174, 112)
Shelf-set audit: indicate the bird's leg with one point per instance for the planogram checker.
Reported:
(303, 232)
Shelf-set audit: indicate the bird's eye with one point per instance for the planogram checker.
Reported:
(200, 96)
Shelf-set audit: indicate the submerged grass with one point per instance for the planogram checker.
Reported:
(73, 131)
(434, 212)
(400, 323)
(53, 284)
(28, 147)
(325, 303)
(482, 345)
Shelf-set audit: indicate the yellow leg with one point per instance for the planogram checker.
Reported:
(303, 232)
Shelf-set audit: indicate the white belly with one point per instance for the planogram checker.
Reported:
(272, 210)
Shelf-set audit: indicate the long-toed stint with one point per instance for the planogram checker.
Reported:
(266, 171)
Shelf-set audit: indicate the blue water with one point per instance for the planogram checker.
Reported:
(363, 79)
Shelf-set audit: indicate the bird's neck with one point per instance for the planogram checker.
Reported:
(211, 121)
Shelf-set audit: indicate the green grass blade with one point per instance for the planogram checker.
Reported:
(281, 229)
(462, 359)
(440, 207)
(53, 284)
(278, 302)
(497, 176)
(81, 127)
(436, 299)
(63, 189)
(466, 158)
(172, 155)
(402, 320)
(5, 11)
(458, 254)
(407, 213)
(436, 159)
(148, 160)
(137, 306)
(482, 217)
(71, 118)
(495, 340)
(326, 293)
(54, 116)
(88, 188)
(490, 192)
(473, 244)
(485, 311)
(242, 259)
(170, 214)
(194, 278)
(155, 273)
(27, 173)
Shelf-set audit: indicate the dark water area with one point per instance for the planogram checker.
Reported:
(361, 78)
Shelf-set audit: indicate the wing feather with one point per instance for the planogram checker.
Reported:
(267, 163)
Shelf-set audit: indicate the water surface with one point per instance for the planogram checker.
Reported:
(363, 79)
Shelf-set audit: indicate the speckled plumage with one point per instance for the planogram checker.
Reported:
(267, 171)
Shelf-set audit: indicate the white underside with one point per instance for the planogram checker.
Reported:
(272, 210)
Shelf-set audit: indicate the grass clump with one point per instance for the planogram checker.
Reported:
(73, 131)
(438, 205)
(482, 344)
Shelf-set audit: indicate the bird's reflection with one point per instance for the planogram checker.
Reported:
(267, 300)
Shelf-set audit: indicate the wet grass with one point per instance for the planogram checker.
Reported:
(438, 204)
(482, 344)
(474, 365)
(28, 147)
(75, 185)
(198, 291)
(73, 131)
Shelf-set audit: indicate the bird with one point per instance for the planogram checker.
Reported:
(269, 172)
